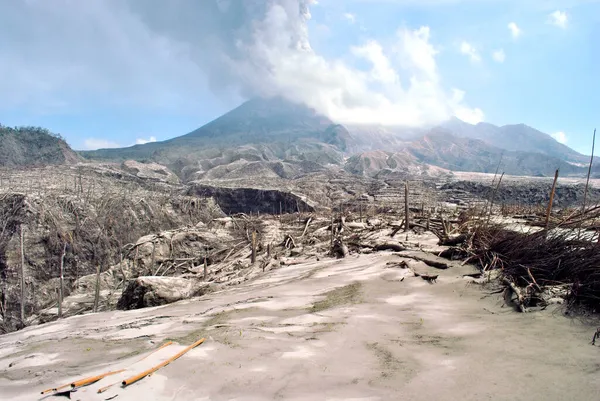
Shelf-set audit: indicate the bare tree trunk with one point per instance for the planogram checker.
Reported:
(494, 196)
(549, 210)
(205, 265)
(360, 211)
(332, 233)
(61, 289)
(121, 265)
(22, 277)
(406, 211)
(97, 291)
(253, 258)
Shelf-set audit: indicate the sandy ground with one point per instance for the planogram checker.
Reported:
(379, 334)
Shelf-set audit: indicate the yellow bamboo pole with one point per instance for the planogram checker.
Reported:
(145, 373)
(93, 379)
(50, 390)
(103, 389)
(90, 380)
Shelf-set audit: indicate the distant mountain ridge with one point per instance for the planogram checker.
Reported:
(271, 131)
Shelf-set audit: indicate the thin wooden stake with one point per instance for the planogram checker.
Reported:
(494, 196)
(406, 211)
(332, 232)
(205, 265)
(97, 291)
(61, 289)
(22, 276)
(587, 182)
(253, 260)
(549, 210)
(360, 211)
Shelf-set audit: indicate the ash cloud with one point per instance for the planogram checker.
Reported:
(152, 50)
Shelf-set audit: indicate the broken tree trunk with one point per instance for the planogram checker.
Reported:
(22, 277)
(97, 290)
(205, 266)
(306, 226)
(289, 242)
(61, 288)
(549, 210)
(360, 211)
(406, 211)
(389, 247)
(332, 234)
(339, 249)
(517, 292)
(121, 266)
(493, 197)
(253, 259)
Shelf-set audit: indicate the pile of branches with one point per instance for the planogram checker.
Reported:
(536, 260)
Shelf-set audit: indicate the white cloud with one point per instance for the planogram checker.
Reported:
(559, 18)
(471, 116)
(142, 141)
(381, 70)
(467, 49)
(95, 143)
(514, 29)
(160, 55)
(499, 55)
(560, 137)
(350, 17)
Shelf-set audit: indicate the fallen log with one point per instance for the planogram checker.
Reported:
(389, 247)
(517, 292)
(429, 262)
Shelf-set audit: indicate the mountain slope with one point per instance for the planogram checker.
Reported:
(31, 146)
(277, 138)
(517, 137)
(266, 130)
(441, 148)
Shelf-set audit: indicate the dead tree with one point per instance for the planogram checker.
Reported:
(61, 288)
(406, 211)
(253, 258)
(97, 289)
(22, 277)
(549, 210)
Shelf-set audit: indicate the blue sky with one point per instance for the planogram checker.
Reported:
(110, 73)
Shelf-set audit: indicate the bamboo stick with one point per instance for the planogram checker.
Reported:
(105, 374)
(103, 389)
(145, 373)
(93, 379)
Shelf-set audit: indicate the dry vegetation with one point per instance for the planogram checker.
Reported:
(92, 234)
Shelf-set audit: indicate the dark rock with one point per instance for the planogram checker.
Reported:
(154, 291)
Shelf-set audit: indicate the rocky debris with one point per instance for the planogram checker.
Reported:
(532, 193)
(150, 171)
(155, 291)
(253, 200)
